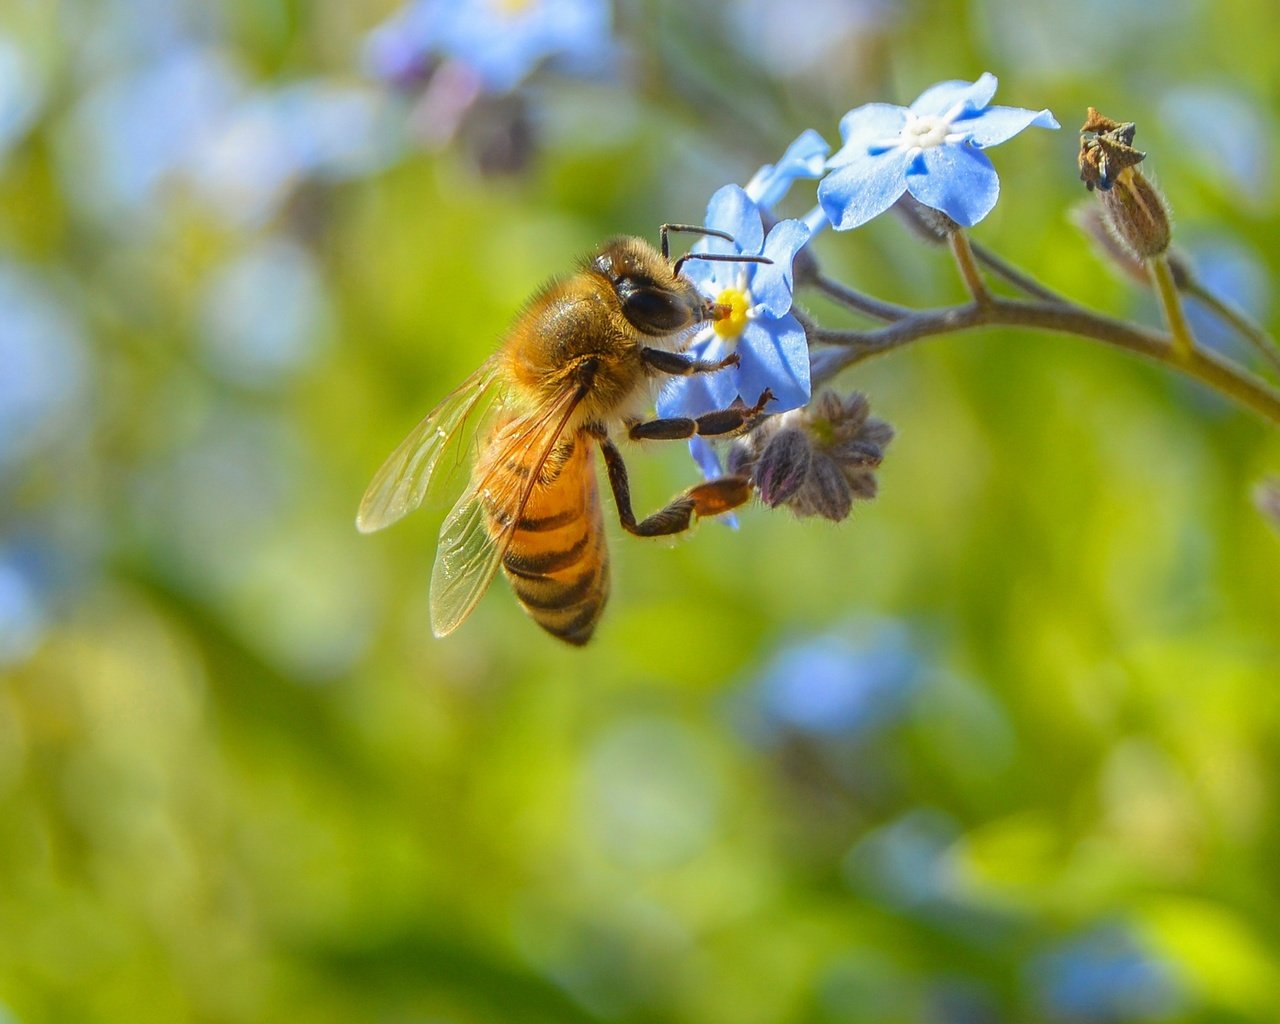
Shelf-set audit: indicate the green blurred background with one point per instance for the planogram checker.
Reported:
(1002, 747)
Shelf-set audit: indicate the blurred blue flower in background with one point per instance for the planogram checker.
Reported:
(792, 40)
(264, 313)
(1234, 271)
(190, 122)
(501, 41)
(760, 327)
(840, 684)
(904, 862)
(1229, 135)
(1104, 976)
(932, 149)
(264, 145)
(130, 133)
(42, 366)
(23, 612)
(21, 94)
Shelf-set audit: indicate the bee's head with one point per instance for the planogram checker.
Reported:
(650, 295)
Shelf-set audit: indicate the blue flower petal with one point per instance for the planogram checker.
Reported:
(958, 180)
(804, 158)
(865, 127)
(709, 277)
(706, 458)
(806, 155)
(732, 210)
(775, 355)
(941, 98)
(999, 124)
(687, 396)
(863, 188)
(722, 386)
(771, 285)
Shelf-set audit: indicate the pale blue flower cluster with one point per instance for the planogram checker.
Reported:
(190, 124)
(501, 42)
(933, 149)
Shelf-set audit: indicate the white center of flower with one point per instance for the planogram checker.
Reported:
(926, 131)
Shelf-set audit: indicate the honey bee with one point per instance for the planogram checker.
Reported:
(578, 366)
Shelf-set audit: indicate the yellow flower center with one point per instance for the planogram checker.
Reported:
(510, 8)
(737, 302)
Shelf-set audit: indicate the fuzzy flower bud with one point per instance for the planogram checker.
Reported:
(1135, 210)
(783, 466)
(1090, 219)
(818, 460)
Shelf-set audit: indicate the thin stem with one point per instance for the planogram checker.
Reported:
(1236, 318)
(968, 265)
(1171, 304)
(859, 303)
(1021, 280)
(1217, 372)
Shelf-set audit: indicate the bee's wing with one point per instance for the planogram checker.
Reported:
(470, 549)
(430, 454)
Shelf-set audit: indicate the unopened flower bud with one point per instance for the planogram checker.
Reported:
(817, 460)
(826, 492)
(1135, 210)
(1090, 219)
(783, 465)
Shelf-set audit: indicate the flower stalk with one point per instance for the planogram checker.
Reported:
(1235, 318)
(1171, 305)
(968, 264)
(1217, 372)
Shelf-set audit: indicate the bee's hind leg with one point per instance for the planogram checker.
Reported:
(706, 499)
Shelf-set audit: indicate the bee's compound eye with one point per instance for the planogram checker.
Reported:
(653, 310)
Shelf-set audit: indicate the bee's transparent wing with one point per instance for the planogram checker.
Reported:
(471, 548)
(432, 453)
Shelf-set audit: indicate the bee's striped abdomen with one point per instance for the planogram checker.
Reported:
(557, 561)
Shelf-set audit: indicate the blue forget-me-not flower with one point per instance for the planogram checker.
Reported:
(932, 149)
(759, 325)
(806, 157)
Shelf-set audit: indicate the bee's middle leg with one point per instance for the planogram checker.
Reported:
(706, 499)
(720, 423)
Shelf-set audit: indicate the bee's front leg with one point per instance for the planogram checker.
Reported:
(721, 423)
(677, 365)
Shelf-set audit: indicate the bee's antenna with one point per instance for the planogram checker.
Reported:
(717, 257)
(692, 229)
